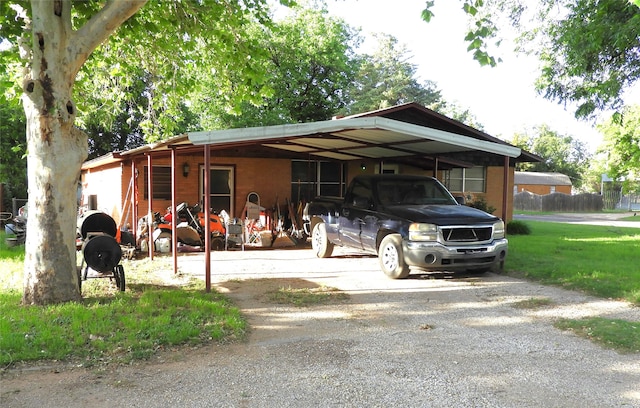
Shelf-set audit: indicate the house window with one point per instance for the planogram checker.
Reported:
(552, 189)
(310, 178)
(161, 182)
(221, 196)
(472, 180)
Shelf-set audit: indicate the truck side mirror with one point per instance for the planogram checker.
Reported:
(361, 202)
(460, 200)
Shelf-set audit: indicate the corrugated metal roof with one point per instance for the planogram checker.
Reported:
(115, 157)
(355, 138)
(540, 178)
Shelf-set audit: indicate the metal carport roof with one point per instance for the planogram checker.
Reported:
(355, 139)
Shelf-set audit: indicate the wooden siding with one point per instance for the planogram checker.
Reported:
(542, 189)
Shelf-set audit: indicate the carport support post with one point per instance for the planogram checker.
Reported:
(150, 214)
(134, 200)
(505, 188)
(207, 215)
(174, 216)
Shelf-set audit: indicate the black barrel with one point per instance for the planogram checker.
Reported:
(101, 251)
(97, 222)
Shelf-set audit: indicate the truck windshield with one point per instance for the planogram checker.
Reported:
(413, 192)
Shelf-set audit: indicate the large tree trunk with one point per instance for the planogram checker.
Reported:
(56, 149)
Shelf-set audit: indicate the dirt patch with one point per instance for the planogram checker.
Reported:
(268, 319)
(249, 293)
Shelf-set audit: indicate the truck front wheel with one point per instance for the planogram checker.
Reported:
(391, 257)
(319, 241)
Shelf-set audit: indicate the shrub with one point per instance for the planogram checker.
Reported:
(516, 227)
(481, 204)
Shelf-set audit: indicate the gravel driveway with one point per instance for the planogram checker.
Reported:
(427, 341)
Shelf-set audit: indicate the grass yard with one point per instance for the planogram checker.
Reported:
(603, 261)
(109, 325)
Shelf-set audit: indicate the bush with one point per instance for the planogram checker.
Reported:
(481, 204)
(516, 227)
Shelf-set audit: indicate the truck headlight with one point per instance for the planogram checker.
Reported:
(423, 232)
(498, 230)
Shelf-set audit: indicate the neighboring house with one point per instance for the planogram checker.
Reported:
(299, 161)
(541, 183)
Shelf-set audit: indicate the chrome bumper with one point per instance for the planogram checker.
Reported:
(434, 255)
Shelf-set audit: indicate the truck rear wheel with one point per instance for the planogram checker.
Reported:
(319, 241)
(391, 257)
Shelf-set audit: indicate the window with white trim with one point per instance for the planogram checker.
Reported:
(472, 180)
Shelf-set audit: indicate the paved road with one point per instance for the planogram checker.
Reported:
(610, 219)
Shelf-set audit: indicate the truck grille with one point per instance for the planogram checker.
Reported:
(466, 234)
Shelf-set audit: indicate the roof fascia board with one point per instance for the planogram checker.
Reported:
(453, 138)
(267, 133)
(156, 146)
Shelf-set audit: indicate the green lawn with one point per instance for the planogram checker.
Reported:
(109, 325)
(603, 261)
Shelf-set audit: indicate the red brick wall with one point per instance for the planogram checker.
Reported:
(270, 178)
(494, 194)
(494, 191)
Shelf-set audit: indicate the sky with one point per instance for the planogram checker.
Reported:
(503, 98)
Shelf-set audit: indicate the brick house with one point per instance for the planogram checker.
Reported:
(297, 162)
(541, 183)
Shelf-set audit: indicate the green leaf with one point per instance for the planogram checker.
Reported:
(469, 9)
(475, 44)
(427, 15)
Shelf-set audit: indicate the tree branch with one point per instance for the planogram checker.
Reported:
(98, 29)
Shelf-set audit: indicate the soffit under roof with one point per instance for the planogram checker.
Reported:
(355, 139)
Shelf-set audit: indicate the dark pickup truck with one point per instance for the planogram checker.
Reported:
(408, 222)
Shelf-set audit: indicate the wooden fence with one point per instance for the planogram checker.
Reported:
(558, 202)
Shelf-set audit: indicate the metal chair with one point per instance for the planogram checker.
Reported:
(234, 234)
(251, 214)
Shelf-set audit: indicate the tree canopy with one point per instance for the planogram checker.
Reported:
(589, 50)
(309, 60)
(13, 148)
(561, 153)
(622, 144)
(387, 78)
